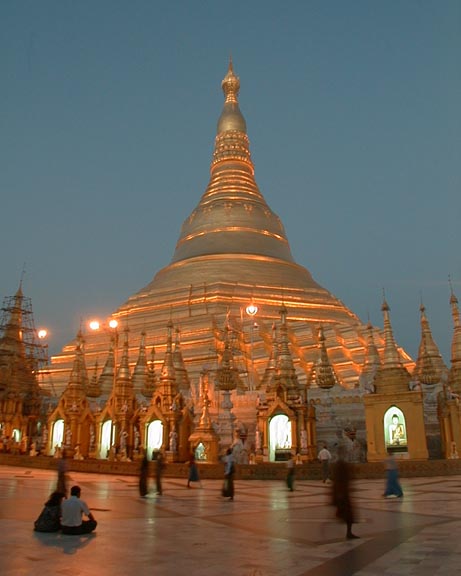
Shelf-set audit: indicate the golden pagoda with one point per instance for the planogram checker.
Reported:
(20, 359)
(232, 255)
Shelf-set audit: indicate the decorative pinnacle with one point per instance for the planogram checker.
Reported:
(231, 84)
(453, 299)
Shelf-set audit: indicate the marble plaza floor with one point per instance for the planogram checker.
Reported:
(265, 531)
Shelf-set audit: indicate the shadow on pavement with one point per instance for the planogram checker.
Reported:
(69, 544)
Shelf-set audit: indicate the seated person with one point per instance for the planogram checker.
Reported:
(72, 510)
(50, 517)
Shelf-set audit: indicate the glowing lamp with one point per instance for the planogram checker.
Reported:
(94, 325)
(251, 310)
(42, 334)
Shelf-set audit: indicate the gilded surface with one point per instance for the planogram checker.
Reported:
(233, 249)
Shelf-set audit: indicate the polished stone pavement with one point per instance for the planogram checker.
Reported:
(265, 531)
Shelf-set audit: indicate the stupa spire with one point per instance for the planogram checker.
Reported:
(372, 358)
(168, 386)
(123, 372)
(286, 372)
(78, 380)
(454, 375)
(456, 341)
(12, 339)
(271, 369)
(324, 372)
(141, 371)
(231, 84)
(429, 363)
(232, 216)
(151, 382)
(227, 376)
(106, 379)
(371, 363)
(182, 378)
(392, 376)
(391, 354)
(94, 387)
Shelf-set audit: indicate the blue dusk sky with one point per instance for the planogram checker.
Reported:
(108, 114)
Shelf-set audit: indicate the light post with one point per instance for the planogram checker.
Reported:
(251, 311)
(107, 435)
(42, 333)
(95, 325)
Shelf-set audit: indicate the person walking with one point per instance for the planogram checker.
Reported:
(229, 471)
(393, 487)
(193, 471)
(290, 480)
(72, 511)
(159, 469)
(61, 484)
(143, 477)
(341, 494)
(325, 458)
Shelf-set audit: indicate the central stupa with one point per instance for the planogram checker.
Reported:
(233, 251)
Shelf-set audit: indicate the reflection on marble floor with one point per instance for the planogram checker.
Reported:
(266, 531)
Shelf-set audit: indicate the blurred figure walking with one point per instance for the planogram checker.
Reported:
(143, 477)
(159, 472)
(341, 493)
(229, 471)
(393, 487)
(193, 476)
(290, 480)
(61, 485)
(325, 458)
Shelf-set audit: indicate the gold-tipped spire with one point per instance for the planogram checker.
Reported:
(182, 377)
(231, 84)
(94, 387)
(232, 232)
(392, 375)
(231, 118)
(286, 372)
(371, 363)
(141, 371)
(391, 354)
(227, 375)
(123, 372)
(324, 373)
(74, 394)
(167, 387)
(429, 364)
(271, 368)
(454, 375)
(106, 379)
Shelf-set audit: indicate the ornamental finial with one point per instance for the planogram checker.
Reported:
(231, 84)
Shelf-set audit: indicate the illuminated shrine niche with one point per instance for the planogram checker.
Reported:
(279, 436)
(395, 430)
(106, 439)
(58, 434)
(154, 437)
(200, 452)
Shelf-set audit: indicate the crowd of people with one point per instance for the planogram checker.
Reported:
(71, 515)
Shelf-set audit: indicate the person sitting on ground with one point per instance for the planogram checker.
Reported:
(50, 517)
(72, 510)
